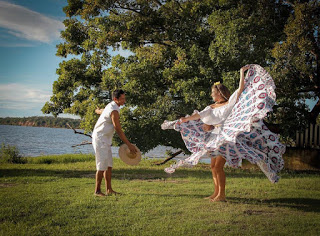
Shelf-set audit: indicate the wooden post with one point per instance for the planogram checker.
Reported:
(305, 144)
(311, 136)
(301, 139)
(316, 134)
(297, 139)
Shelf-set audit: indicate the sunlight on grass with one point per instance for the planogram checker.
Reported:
(39, 198)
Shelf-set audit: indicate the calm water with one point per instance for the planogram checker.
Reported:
(37, 141)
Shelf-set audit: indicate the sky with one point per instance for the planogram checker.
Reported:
(29, 33)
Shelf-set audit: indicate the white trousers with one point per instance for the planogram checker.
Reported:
(102, 149)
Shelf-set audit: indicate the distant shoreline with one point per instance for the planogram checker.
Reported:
(41, 121)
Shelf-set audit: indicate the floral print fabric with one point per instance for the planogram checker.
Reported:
(242, 135)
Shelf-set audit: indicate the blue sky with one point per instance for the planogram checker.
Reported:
(29, 33)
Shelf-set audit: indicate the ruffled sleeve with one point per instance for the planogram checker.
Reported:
(217, 115)
(205, 115)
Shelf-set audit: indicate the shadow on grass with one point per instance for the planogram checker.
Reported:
(149, 173)
(301, 204)
(126, 174)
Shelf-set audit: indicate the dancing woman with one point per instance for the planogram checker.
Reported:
(232, 129)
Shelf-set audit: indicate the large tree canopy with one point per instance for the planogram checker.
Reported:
(179, 49)
(297, 67)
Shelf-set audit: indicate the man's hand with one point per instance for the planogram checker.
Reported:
(207, 128)
(132, 148)
(99, 111)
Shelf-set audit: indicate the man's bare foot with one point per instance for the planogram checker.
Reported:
(213, 196)
(99, 194)
(218, 199)
(111, 192)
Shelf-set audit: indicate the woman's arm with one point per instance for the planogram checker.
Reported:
(193, 117)
(241, 83)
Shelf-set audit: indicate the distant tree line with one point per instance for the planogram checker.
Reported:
(41, 121)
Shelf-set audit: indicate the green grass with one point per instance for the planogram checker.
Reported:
(53, 195)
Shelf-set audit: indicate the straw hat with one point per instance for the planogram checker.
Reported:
(127, 157)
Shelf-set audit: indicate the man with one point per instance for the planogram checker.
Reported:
(108, 122)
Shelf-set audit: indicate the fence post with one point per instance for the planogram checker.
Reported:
(310, 138)
(316, 134)
(297, 139)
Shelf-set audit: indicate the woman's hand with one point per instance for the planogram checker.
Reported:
(244, 68)
(195, 116)
(207, 128)
(183, 120)
(241, 83)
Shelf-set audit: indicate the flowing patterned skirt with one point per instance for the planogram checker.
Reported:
(243, 135)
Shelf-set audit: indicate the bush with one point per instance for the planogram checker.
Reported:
(10, 154)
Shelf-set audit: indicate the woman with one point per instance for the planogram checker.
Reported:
(231, 129)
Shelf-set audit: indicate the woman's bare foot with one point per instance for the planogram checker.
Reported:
(213, 196)
(219, 199)
(99, 194)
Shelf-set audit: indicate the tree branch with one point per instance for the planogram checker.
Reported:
(159, 3)
(77, 132)
(311, 89)
(170, 9)
(156, 42)
(179, 4)
(169, 158)
(288, 3)
(114, 12)
(130, 9)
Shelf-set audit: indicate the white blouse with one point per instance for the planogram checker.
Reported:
(214, 116)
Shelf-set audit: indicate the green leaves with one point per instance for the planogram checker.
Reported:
(179, 49)
(296, 68)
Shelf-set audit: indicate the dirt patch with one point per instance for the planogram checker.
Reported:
(6, 185)
(254, 212)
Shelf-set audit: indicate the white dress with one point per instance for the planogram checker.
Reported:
(239, 131)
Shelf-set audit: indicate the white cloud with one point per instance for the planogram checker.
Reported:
(27, 24)
(22, 97)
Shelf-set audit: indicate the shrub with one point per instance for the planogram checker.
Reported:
(10, 154)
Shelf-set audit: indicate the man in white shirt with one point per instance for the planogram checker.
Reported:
(108, 122)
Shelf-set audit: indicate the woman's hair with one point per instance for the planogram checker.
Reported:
(223, 90)
(117, 93)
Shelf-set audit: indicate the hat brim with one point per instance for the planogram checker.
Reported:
(123, 154)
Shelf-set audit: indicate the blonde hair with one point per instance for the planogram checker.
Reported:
(223, 90)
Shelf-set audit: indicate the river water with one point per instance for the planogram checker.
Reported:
(38, 141)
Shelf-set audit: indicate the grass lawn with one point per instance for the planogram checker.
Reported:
(53, 195)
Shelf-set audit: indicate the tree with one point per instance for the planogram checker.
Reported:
(297, 67)
(179, 49)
